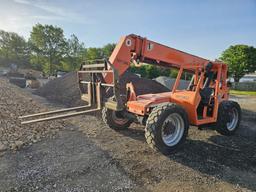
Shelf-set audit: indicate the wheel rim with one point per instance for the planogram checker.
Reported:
(233, 119)
(118, 120)
(172, 129)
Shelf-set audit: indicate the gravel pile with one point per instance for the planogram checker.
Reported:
(141, 85)
(169, 82)
(65, 90)
(13, 103)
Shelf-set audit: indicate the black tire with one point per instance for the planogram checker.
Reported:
(114, 120)
(157, 122)
(226, 125)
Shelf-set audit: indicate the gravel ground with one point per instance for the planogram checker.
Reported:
(248, 124)
(15, 102)
(85, 155)
(207, 162)
(70, 162)
(50, 156)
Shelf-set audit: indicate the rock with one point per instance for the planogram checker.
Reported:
(2, 147)
(18, 144)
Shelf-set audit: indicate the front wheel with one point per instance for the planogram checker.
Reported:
(114, 119)
(229, 117)
(167, 128)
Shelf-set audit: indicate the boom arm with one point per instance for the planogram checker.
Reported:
(137, 49)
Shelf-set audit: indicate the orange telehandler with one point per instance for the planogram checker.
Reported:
(167, 115)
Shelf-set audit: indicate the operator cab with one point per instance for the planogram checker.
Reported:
(207, 92)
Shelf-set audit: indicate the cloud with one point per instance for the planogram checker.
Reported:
(26, 13)
(47, 17)
(54, 13)
(17, 24)
(22, 2)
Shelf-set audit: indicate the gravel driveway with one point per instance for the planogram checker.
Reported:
(69, 162)
(82, 154)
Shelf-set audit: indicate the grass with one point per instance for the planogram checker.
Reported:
(236, 92)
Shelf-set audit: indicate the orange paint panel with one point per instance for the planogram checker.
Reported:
(138, 107)
(189, 101)
(120, 57)
(142, 103)
(172, 56)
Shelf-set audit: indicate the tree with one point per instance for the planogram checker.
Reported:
(13, 49)
(241, 59)
(108, 49)
(75, 54)
(94, 53)
(5, 47)
(48, 45)
(150, 71)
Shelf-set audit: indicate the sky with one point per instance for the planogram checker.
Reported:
(200, 27)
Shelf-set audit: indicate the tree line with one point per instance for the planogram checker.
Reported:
(48, 50)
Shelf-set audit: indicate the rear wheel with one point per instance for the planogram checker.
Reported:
(229, 116)
(167, 128)
(114, 119)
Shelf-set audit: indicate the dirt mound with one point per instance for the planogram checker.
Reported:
(65, 90)
(62, 90)
(169, 82)
(141, 85)
(14, 102)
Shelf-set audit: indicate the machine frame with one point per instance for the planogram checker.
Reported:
(166, 115)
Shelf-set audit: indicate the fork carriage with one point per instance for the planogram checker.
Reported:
(91, 92)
